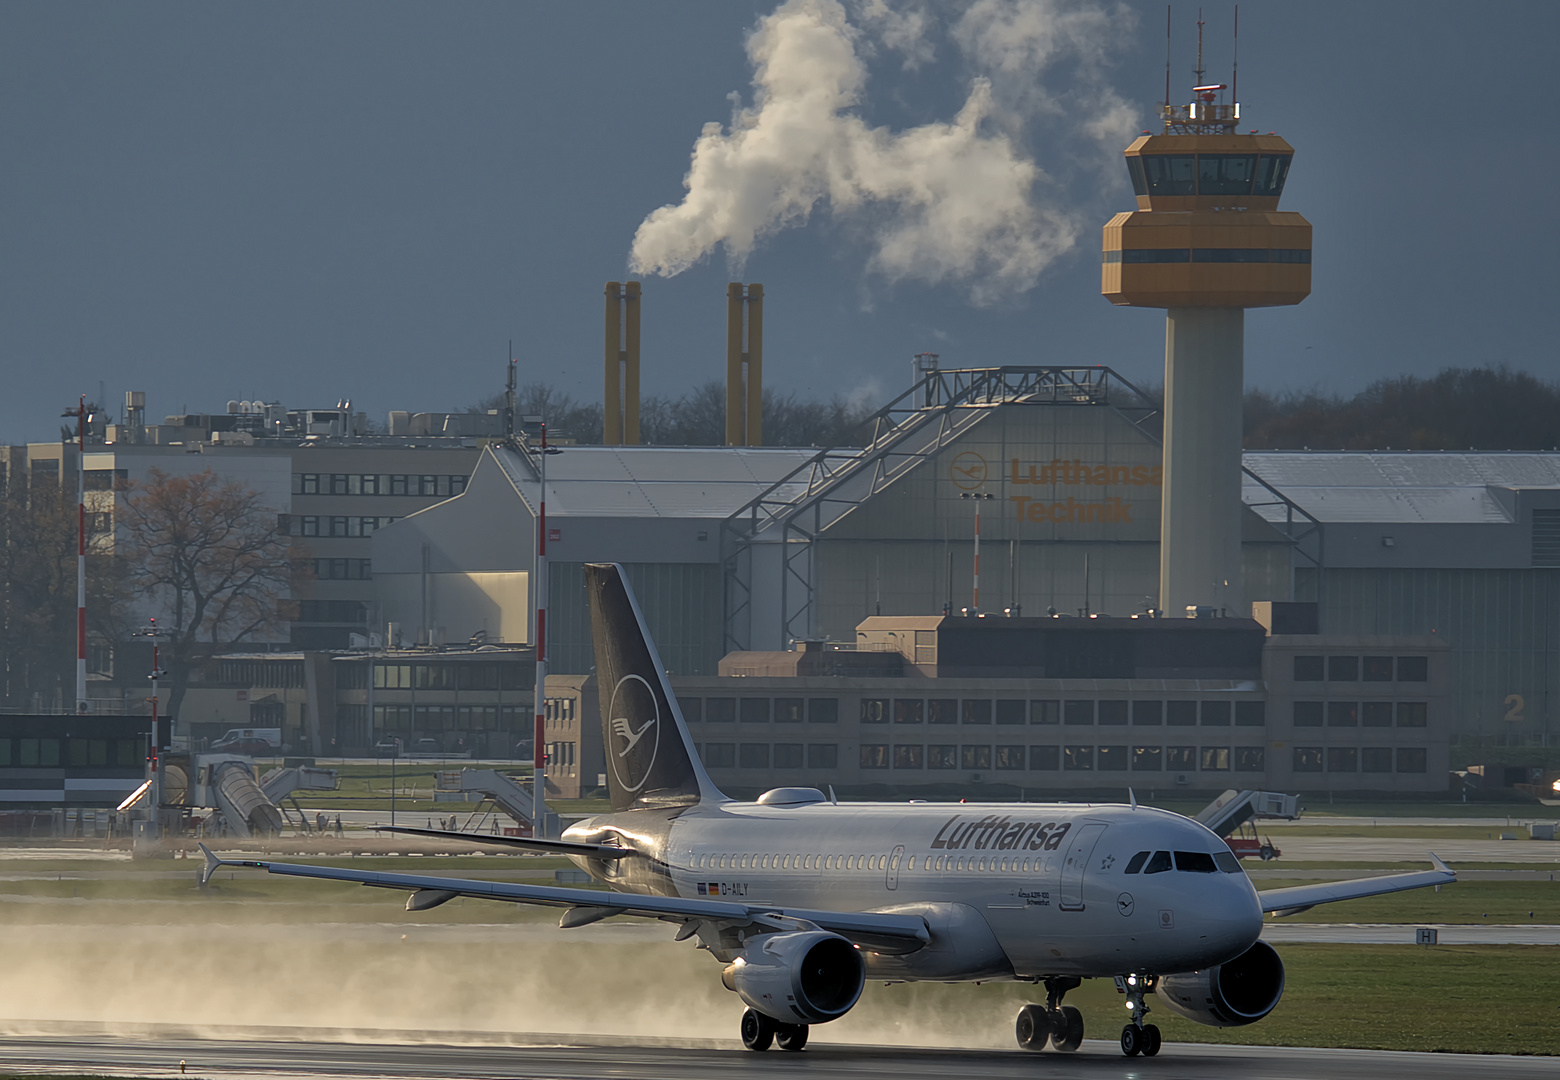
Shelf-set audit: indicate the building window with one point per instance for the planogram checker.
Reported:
(1308, 759)
(874, 755)
(1112, 758)
(692, 709)
(1148, 713)
(753, 755)
(1078, 758)
(308, 483)
(1307, 714)
(1413, 669)
(427, 485)
(908, 710)
(1343, 714)
(1078, 712)
(1148, 759)
(1411, 759)
(1343, 669)
(942, 711)
(1112, 712)
(398, 484)
(1043, 758)
(458, 484)
(1044, 712)
(1180, 758)
(977, 711)
(942, 756)
(874, 710)
(1378, 669)
(1215, 759)
(338, 483)
(1376, 759)
(1215, 714)
(788, 755)
(823, 755)
(1343, 759)
(909, 757)
(720, 755)
(1010, 711)
(1376, 714)
(975, 757)
(1250, 713)
(754, 710)
(825, 710)
(720, 710)
(1010, 757)
(1181, 713)
(1250, 759)
(1411, 713)
(308, 526)
(788, 710)
(1308, 669)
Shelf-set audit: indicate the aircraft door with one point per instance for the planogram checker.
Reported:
(894, 860)
(1078, 853)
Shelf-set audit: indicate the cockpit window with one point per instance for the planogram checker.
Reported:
(1227, 862)
(1158, 863)
(1196, 862)
(1136, 862)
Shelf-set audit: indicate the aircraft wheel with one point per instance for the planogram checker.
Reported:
(1067, 1029)
(1033, 1027)
(791, 1036)
(1266, 852)
(758, 1031)
(1152, 1040)
(1132, 1040)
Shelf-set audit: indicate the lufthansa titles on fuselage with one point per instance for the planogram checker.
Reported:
(993, 833)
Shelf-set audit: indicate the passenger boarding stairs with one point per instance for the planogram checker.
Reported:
(1234, 808)
(781, 524)
(511, 796)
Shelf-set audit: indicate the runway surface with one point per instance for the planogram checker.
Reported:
(264, 1054)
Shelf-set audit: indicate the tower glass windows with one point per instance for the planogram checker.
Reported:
(1209, 174)
(1272, 169)
(1225, 174)
(1171, 174)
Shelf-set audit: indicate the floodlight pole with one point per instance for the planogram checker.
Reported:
(539, 694)
(80, 413)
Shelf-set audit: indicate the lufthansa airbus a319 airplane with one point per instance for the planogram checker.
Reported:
(802, 899)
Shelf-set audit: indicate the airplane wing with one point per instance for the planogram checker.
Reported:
(1304, 897)
(543, 847)
(878, 931)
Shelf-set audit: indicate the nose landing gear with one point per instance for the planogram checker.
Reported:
(1060, 1025)
(1138, 1037)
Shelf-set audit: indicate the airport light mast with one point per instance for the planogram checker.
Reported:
(1206, 242)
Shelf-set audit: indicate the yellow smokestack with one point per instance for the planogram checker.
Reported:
(744, 365)
(620, 400)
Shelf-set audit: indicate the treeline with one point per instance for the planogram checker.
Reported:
(1457, 409)
(697, 418)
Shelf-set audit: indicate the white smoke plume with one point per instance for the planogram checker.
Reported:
(957, 201)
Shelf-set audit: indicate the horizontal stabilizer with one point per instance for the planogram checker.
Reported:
(541, 847)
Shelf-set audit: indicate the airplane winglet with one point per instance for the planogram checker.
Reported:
(1441, 866)
(212, 862)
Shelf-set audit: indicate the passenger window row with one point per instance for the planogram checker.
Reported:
(940, 864)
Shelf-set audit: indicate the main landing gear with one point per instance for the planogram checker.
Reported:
(1138, 1037)
(1060, 1025)
(759, 1032)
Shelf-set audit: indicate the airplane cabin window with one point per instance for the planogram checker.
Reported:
(1196, 862)
(1158, 863)
(1227, 862)
(1135, 863)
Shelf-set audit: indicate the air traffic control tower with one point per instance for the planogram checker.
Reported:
(1207, 241)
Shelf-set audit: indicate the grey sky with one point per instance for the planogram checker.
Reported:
(305, 201)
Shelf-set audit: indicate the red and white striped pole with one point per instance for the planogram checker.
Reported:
(977, 496)
(539, 587)
(81, 557)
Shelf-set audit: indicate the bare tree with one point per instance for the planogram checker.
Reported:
(213, 558)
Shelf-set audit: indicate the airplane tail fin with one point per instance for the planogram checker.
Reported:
(650, 756)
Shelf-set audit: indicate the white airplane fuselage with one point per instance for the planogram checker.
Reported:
(1026, 889)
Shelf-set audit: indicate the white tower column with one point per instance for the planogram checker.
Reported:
(1200, 520)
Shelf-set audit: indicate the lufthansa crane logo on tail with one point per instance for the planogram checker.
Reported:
(635, 731)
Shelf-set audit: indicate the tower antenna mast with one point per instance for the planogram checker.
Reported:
(1235, 61)
(1199, 71)
(1167, 56)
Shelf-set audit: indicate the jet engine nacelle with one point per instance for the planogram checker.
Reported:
(806, 977)
(1239, 991)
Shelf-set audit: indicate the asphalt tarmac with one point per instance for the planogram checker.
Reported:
(265, 1054)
